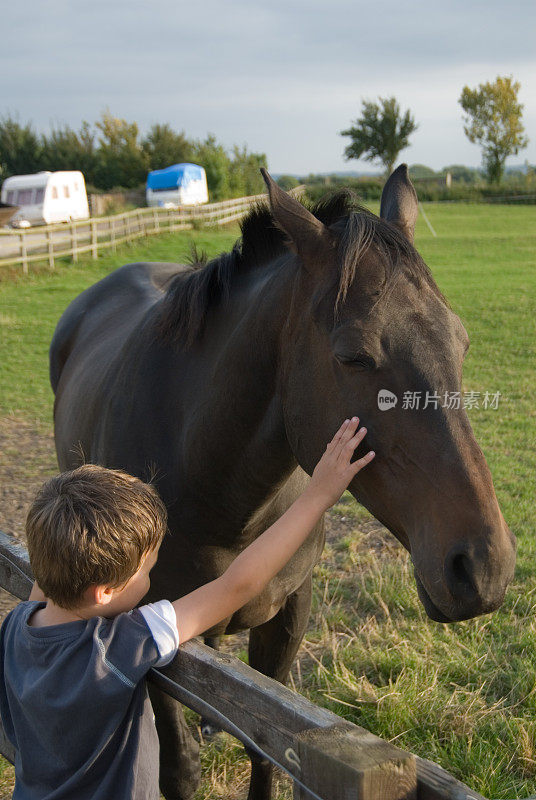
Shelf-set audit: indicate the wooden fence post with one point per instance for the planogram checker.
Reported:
(143, 226)
(112, 234)
(347, 762)
(74, 242)
(50, 247)
(23, 253)
(94, 240)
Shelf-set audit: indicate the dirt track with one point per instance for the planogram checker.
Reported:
(27, 458)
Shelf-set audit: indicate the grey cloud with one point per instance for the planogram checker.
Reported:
(285, 77)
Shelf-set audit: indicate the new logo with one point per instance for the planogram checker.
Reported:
(386, 400)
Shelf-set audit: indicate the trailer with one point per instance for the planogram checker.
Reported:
(177, 185)
(6, 213)
(46, 197)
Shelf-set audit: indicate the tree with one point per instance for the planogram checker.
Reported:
(287, 182)
(65, 148)
(21, 150)
(120, 159)
(381, 132)
(111, 155)
(493, 120)
(245, 172)
(212, 156)
(462, 173)
(164, 147)
(421, 171)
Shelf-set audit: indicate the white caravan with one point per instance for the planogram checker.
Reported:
(46, 197)
(178, 185)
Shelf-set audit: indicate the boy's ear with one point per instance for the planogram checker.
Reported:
(99, 595)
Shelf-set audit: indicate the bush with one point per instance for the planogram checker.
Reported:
(367, 188)
(288, 182)
(520, 187)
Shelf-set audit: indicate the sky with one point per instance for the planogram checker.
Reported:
(284, 78)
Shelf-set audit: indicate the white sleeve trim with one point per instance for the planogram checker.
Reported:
(162, 622)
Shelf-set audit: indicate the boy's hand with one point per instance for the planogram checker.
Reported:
(334, 471)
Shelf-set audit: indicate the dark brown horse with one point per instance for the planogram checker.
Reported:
(227, 380)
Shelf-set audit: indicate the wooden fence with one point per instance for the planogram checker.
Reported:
(72, 239)
(326, 756)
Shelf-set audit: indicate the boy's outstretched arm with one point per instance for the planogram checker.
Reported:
(252, 570)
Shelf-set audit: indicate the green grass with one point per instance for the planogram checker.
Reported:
(463, 695)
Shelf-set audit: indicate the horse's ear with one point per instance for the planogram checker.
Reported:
(399, 203)
(308, 237)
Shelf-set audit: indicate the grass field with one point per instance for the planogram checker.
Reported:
(463, 695)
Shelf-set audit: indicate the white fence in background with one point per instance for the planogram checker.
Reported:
(72, 239)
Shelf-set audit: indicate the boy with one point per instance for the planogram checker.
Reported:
(73, 698)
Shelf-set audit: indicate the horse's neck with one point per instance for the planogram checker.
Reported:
(244, 403)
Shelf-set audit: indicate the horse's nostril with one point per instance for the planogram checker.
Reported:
(461, 566)
(460, 576)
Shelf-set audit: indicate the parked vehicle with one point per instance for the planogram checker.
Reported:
(46, 197)
(178, 185)
(6, 212)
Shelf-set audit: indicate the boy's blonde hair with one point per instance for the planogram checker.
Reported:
(89, 526)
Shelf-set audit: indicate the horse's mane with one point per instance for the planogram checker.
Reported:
(194, 291)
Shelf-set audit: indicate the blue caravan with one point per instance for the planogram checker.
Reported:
(178, 185)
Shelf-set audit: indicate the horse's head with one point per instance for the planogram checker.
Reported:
(367, 316)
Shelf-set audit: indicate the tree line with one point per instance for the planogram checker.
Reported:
(492, 119)
(112, 154)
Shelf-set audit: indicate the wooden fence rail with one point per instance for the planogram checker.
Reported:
(46, 243)
(333, 758)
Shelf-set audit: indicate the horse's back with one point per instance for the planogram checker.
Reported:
(89, 348)
(107, 311)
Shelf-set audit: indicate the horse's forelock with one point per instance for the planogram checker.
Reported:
(362, 230)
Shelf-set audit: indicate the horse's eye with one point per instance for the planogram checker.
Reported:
(359, 361)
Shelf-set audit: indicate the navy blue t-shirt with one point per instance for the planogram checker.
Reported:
(74, 703)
